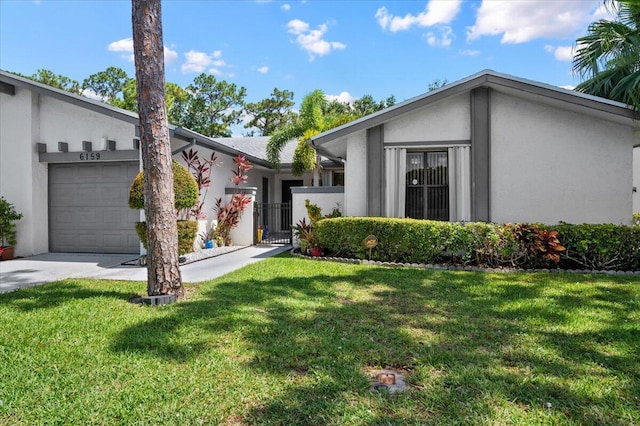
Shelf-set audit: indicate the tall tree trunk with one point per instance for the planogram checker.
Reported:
(163, 272)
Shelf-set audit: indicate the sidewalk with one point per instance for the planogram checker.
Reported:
(40, 269)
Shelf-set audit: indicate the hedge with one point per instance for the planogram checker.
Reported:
(185, 189)
(187, 230)
(599, 247)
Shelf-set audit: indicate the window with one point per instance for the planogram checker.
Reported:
(338, 178)
(427, 183)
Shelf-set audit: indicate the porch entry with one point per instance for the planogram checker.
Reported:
(275, 221)
(427, 181)
(275, 218)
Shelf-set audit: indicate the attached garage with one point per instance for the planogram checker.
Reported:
(88, 208)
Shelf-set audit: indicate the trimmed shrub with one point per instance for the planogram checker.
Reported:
(187, 230)
(598, 247)
(185, 189)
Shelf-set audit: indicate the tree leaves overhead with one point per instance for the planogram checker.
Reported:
(108, 84)
(272, 113)
(52, 79)
(608, 57)
(213, 106)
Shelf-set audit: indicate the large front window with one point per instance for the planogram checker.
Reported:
(427, 183)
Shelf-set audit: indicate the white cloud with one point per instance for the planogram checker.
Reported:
(263, 70)
(469, 52)
(443, 39)
(196, 61)
(170, 56)
(286, 7)
(568, 87)
(343, 97)
(126, 46)
(92, 95)
(525, 20)
(313, 40)
(436, 12)
(199, 61)
(563, 53)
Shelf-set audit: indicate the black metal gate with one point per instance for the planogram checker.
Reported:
(274, 219)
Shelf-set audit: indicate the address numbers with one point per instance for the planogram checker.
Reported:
(89, 156)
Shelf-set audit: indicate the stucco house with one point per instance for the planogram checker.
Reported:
(67, 162)
(490, 147)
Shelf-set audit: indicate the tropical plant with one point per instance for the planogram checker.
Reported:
(201, 169)
(305, 234)
(229, 214)
(8, 217)
(608, 57)
(316, 115)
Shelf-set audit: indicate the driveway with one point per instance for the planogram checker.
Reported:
(43, 268)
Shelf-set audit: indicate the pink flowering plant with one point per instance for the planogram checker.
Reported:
(229, 215)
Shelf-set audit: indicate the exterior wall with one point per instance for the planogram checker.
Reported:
(636, 173)
(27, 119)
(325, 197)
(355, 172)
(19, 170)
(433, 123)
(550, 165)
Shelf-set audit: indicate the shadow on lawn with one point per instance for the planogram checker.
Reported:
(54, 294)
(461, 343)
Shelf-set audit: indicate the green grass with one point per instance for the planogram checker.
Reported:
(289, 341)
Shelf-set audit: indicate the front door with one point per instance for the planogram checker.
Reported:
(427, 195)
(286, 199)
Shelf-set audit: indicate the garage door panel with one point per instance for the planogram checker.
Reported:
(88, 210)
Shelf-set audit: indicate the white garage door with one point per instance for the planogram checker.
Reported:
(88, 208)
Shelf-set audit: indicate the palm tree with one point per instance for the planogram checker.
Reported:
(313, 118)
(608, 58)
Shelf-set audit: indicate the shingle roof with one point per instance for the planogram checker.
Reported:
(256, 146)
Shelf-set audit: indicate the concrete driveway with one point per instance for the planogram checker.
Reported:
(43, 268)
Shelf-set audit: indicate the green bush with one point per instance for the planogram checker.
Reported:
(599, 247)
(187, 230)
(185, 189)
(8, 217)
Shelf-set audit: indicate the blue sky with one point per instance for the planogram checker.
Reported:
(346, 48)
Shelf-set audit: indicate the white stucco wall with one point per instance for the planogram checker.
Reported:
(355, 176)
(550, 165)
(636, 173)
(26, 119)
(19, 171)
(327, 201)
(444, 121)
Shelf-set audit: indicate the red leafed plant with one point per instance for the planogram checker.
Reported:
(229, 215)
(547, 242)
(201, 169)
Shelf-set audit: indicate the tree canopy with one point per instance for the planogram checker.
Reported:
(608, 57)
(271, 113)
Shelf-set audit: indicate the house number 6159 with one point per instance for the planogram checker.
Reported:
(89, 156)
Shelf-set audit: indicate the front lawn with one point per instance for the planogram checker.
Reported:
(290, 341)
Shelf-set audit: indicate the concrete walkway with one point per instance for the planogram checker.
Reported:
(43, 268)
